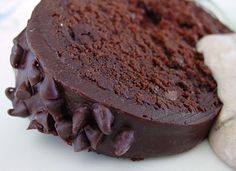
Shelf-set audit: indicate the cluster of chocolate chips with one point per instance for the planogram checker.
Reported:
(37, 95)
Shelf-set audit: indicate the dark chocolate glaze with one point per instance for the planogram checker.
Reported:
(91, 112)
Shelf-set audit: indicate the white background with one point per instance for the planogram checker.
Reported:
(23, 150)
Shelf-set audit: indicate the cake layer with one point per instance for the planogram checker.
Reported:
(138, 51)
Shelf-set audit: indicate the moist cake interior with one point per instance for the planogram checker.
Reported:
(143, 51)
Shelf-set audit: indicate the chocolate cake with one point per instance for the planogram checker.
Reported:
(120, 77)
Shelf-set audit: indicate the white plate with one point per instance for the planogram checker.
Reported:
(31, 151)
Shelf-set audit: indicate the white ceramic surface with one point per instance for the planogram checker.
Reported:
(23, 150)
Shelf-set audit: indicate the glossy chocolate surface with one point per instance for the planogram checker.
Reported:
(66, 93)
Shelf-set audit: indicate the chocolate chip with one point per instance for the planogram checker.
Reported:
(64, 129)
(123, 141)
(23, 91)
(94, 136)
(34, 75)
(79, 119)
(19, 110)
(104, 118)
(48, 89)
(45, 120)
(10, 93)
(35, 125)
(81, 142)
(16, 55)
(54, 107)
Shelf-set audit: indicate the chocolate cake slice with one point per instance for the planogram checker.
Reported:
(119, 77)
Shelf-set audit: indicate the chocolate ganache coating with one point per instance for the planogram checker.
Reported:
(121, 77)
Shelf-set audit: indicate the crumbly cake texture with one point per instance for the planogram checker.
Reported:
(121, 77)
